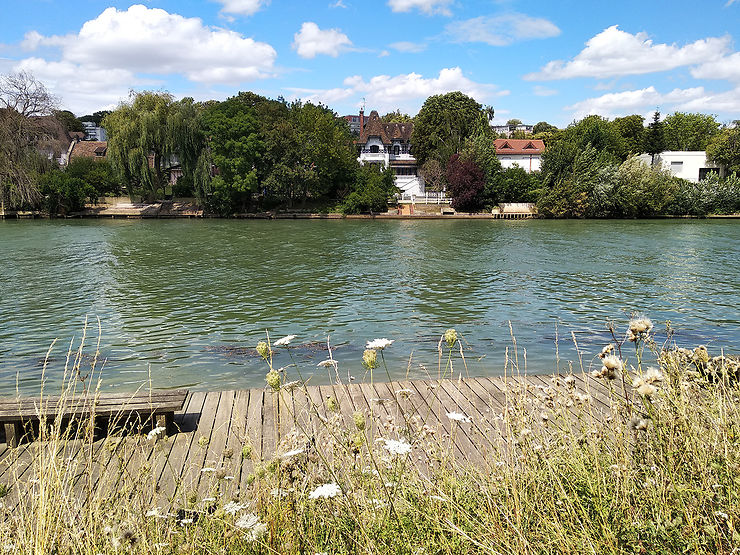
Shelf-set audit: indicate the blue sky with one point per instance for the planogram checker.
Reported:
(536, 61)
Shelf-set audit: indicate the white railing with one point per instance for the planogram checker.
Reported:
(430, 197)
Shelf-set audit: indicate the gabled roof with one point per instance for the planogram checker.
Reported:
(89, 149)
(519, 146)
(388, 132)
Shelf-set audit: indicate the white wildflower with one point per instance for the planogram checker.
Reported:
(251, 525)
(397, 447)
(646, 390)
(653, 375)
(292, 453)
(284, 340)
(232, 507)
(404, 393)
(437, 498)
(207, 469)
(328, 363)
(325, 491)
(570, 381)
(459, 417)
(155, 432)
(186, 521)
(208, 499)
(152, 512)
(379, 344)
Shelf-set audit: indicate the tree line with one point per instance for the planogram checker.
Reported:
(251, 153)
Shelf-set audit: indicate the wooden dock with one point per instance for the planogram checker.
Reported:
(225, 436)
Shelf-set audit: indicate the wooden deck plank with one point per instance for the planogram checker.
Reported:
(252, 436)
(212, 484)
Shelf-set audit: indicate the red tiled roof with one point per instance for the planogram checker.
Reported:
(519, 146)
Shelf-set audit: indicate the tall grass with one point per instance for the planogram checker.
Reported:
(628, 460)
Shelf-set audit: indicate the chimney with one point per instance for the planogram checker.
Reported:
(362, 120)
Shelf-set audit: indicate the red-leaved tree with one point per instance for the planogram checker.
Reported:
(465, 184)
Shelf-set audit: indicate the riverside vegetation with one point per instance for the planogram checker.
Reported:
(250, 153)
(656, 472)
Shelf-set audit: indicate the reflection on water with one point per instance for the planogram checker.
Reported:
(184, 302)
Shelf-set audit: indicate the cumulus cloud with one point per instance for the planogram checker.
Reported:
(114, 51)
(242, 7)
(694, 99)
(721, 68)
(428, 7)
(614, 53)
(407, 46)
(311, 41)
(501, 30)
(406, 91)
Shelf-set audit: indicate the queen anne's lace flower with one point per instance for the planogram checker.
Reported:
(284, 340)
(397, 447)
(459, 417)
(156, 432)
(379, 344)
(325, 491)
(251, 525)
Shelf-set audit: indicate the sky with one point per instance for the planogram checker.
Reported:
(534, 60)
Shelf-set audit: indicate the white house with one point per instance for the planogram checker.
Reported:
(525, 153)
(691, 165)
(389, 144)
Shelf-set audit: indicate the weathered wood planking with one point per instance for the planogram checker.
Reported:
(214, 428)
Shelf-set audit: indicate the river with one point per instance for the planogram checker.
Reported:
(184, 302)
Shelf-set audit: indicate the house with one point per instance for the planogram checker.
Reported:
(525, 153)
(88, 149)
(389, 145)
(686, 164)
(94, 132)
(354, 124)
(509, 130)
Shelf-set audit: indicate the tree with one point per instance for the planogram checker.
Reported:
(689, 131)
(149, 135)
(64, 193)
(466, 184)
(25, 105)
(542, 127)
(514, 122)
(632, 130)
(96, 118)
(443, 124)
(724, 149)
(435, 178)
(396, 117)
(655, 137)
(371, 191)
(98, 174)
(69, 121)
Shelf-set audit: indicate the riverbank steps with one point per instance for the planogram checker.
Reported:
(627, 460)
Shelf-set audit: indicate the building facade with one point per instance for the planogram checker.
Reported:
(389, 145)
(691, 165)
(525, 153)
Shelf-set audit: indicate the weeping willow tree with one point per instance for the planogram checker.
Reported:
(152, 133)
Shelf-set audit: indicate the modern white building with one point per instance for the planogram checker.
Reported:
(525, 153)
(389, 144)
(691, 165)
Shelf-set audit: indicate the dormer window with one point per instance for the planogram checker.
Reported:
(374, 149)
(396, 150)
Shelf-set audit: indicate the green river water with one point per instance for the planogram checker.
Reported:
(185, 301)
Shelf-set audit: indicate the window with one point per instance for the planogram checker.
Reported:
(676, 167)
(374, 149)
(396, 150)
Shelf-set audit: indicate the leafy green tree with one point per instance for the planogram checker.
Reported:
(69, 121)
(149, 135)
(632, 130)
(98, 174)
(96, 118)
(514, 122)
(396, 117)
(63, 193)
(655, 137)
(236, 150)
(443, 124)
(511, 185)
(724, 148)
(542, 127)
(684, 131)
(372, 190)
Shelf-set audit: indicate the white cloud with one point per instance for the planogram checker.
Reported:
(428, 7)
(539, 90)
(407, 46)
(383, 54)
(116, 48)
(406, 91)
(337, 4)
(613, 53)
(242, 7)
(501, 30)
(694, 99)
(722, 68)
(311, 40)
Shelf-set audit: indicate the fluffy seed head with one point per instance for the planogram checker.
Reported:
(450, 337)
(370, 358)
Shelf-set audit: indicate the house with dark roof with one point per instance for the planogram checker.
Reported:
(389, 145)
(525, 153)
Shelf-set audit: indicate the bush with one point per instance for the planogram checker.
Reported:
(372, 191)
(466, 184)
(99, 174)
(63, 193)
